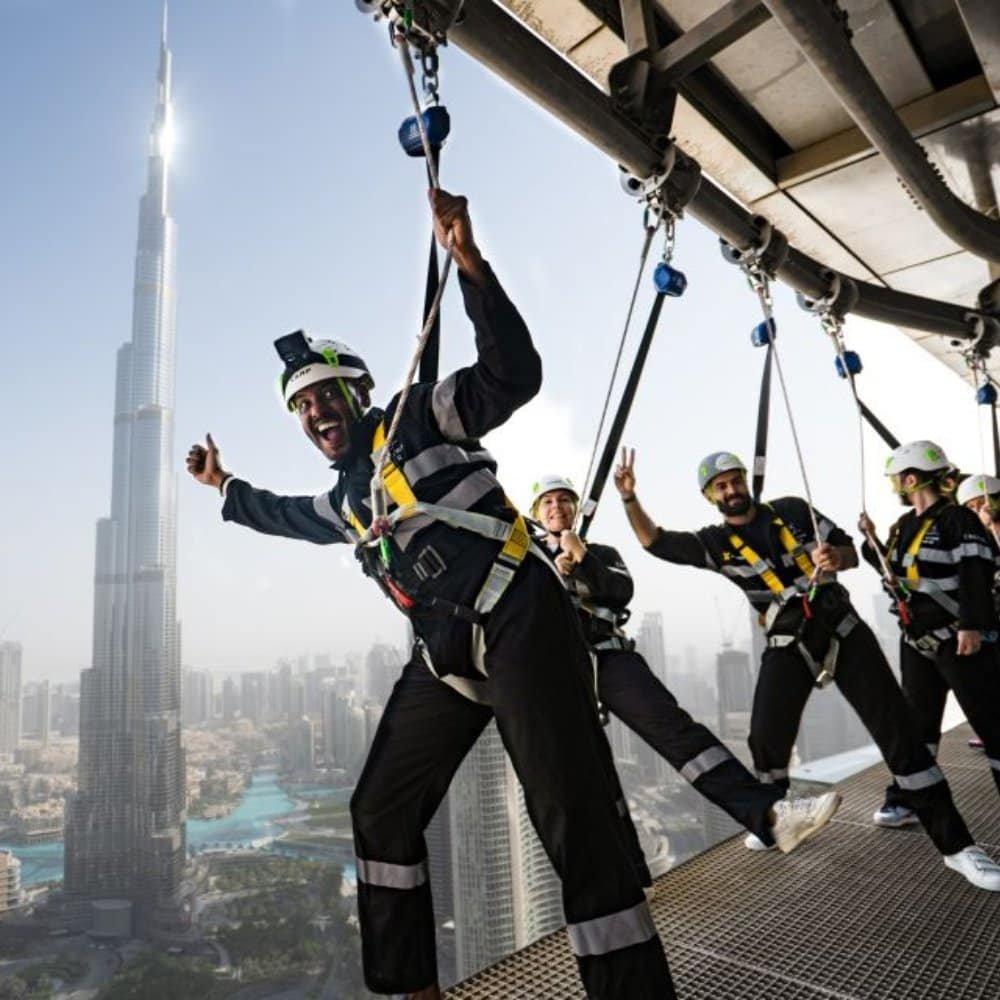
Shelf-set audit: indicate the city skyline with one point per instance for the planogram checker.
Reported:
(125, 825)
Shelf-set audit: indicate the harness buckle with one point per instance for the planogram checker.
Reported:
(429, 565)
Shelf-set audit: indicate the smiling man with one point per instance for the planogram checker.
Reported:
(496, 638)
(814, 634)
(601, 586)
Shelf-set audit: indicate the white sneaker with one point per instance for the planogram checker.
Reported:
(894, 816)
(797, 820)
(753, 843)
(977, 867)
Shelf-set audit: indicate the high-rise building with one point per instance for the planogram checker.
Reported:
(10, 696)
(734, 682)
(197, 697)
(125, 828)
(44, 703)
(301, 755)
(66, 709)
(650, 643)
(383, 666)
(538, 908)
(482, 878)
(10, 881)
(230, 700)
(253, 696)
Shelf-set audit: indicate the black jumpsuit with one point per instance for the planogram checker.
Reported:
(785, 680)
(528, 672)
(956, 561)
(602, 587)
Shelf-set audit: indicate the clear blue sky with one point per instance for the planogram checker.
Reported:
(295, 207)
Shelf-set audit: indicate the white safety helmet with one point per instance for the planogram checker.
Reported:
(546, 484)
(309, 360)
(715, 464)
(977, 486)
(923, 456)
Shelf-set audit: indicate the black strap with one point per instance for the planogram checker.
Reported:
(429, 359)
(996, 440)
(883, 432)
(763, 418)
(621, 416)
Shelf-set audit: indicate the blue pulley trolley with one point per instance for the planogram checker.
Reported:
(437, 124)
(668, 280)
(986, 395)
(853, 362)
(764, 333)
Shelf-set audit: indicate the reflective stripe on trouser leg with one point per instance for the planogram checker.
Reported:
(425, 731)
(773, 776)
(921, 779)
(706, 761)
(612, 932)
(391, 876)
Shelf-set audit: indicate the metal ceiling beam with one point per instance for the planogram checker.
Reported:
(821, 38)
(922, 116)
(982, 22)
(639, 26)
(710, 94)
(709, 37)
(503, 44)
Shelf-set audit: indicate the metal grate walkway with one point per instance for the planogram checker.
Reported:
(858, 913)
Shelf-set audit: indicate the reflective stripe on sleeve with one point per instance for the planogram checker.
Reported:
(920, 780)
(706, 761)
(613, 932)
(994, 763)
(390, 876)
(967, 550)
(448, 418)
(438, 457)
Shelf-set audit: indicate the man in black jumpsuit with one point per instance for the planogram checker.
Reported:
(772, 554)
(601, 585)
(943, 557)
(492, 622)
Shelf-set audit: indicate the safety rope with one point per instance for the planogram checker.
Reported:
(833, 325)
(647, 242)
(379, 507)
(761, 285)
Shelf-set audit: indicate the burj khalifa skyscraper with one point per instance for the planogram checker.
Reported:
(125, 826)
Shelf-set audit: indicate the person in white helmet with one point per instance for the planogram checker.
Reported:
(601, 586)
(981, 494)
(771, 552)
(944, 562)
(497, 637)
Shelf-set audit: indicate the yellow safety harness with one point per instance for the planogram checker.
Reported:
(915, 583)
(822, 670)
(513, 535)
(764, 568)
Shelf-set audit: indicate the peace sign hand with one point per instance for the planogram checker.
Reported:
(625, 473)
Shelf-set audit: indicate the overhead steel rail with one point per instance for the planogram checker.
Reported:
(823, 38)
(506, 46)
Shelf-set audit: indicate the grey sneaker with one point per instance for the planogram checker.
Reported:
(894, 817)
(977, 867)
(797, 820)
